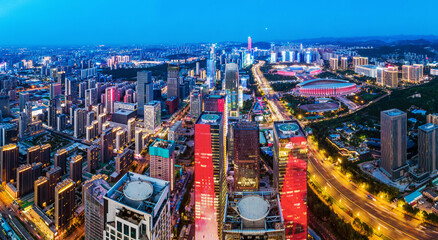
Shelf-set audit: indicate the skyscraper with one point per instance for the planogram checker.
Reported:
(110, 99)
(76, 168)
(124, 160)
(64, 203)
(232, 88)
(152, 116)
(53, 178)
(162, 161)
(34, 154)
(106, 145)
(8, 162)
(215, 102)
(93, 192)
(334, 64)
(290, 176)
(344, 63)
(131, 130)
(390, 76)
(138, 141)
(428, 147)
(123, 203)
(23, 99)
(211, 70)
(249, 44)
(246, 156)
(46, 149)
(26, 175)
(4, 105)
(210, 179)
(145, 90)
(393, 135)
(92, 158)
(173, 82)
(80, 120)
(195, 104)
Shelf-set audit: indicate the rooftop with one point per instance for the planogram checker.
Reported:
(428, 127)
(288, 129)
(210, 118)
(393, 112)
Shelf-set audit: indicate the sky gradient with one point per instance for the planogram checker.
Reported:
(63, 22)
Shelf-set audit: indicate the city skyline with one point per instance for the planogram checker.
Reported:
(40, 22)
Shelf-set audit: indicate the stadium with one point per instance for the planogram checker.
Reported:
(325, 88)
(298, 69)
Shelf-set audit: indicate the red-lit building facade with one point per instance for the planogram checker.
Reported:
(290, 176)
(215, 102)
(210, 179)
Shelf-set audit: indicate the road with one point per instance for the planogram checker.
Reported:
(385, 218)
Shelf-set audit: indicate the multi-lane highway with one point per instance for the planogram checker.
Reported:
(386, 219)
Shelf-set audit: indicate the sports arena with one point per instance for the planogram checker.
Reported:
(298, 69)
(325, 88)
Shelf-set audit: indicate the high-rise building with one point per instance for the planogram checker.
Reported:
(101, 120)
(124, 161)
(428, 147)
(195, 104)
(8, 162)
(215, 102)
(249, 44)
(145, 90)
(76, 168)
(290, 176)
(246, 156)
(53, 177)
(122, 203)
(46, 150)
(334, 64)
(64, 203)
(110, 99)
(61, 122)
(23, 99)
(41, 192)
(26, 175)
(91, 97)
(93, 192)
(211, 70)
(359, 61)
(138, 141)
(232, 87)
(34, 154)
(173, 82)
(52, 112)
(432, 118)
(4, 105)
(390, 76)
(107, 146)
(162, 161)
(93, 158)
(80, 121)
(412, 73)
(61, 160)
(344, 63)
(131, 130)
(393, 135)
(210, 175)
(152, 116)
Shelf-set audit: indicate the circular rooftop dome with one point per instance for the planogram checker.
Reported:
(138, 190)
(288, 128)
(210, 117)
(253, 208)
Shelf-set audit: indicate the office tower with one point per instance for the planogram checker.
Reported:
(76, 168)
(152, 116)
(173, 82)
(110, 98)
(249, 44)
(246, 156)
(106, 147)
(195, 104)
(93, 192)
(8, 162)
(138, 141)
(390, 76)
(53, 177)
(290, 176)
(93, 158)
(162, 161)
(80, 120)
(23, 99)
(334, 64)
(393, 135)
(124, 160)
(64, 203)
(197, 69)
(232, 87)
(22, 125)
(61, 160)
(34, 154)
(211, 69)
(175, 131)
(344, 63)
(428, 147)
(210, 175)
(4, 105)
(41, 192)
(253, 215)
(215, 102)
(131, 130)
(52, 112)
(119, 210)
(46, 149)
(145, 90)
(61, 120)
(28, 112)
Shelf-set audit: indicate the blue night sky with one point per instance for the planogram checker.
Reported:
(47, 22)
